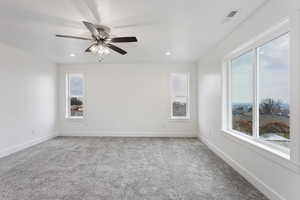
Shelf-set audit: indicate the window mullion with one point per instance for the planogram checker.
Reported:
(68, 95)
(229, 104)
(256, 94)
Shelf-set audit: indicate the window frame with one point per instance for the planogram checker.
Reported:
(229, 100)
(266, 37)
(171, 98)
(68, 96)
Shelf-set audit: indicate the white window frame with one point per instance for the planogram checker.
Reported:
(268, 36)
(188, 116)
(68, 96)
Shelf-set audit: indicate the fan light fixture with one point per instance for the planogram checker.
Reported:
(102, 40)
(168, 53)
(100, 50)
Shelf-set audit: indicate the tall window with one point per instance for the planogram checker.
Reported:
(259, 93)
(274, 111)
(179, 88)
(242, 93)
(75, 95)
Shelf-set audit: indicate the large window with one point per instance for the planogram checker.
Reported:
(258, 93)
(179, 88)
(75, 95)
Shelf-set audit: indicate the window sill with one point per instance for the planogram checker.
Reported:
(179, 120)
(79, 119)
(263, 150)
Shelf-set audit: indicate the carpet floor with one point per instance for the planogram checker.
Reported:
(77, 168)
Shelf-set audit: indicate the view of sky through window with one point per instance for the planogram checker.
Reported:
(76, 85)
(274, 68)
(179, 85)
(242, 78)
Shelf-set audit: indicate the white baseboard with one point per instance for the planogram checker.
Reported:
(25, 145)
(180, 134)
(254, 180)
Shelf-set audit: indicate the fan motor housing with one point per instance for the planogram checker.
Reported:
(103, 30)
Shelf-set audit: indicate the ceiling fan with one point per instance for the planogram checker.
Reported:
(102, 40)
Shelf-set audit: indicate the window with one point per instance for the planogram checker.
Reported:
(75, 96)
(274, 112)
(179, 88)
(242, 93)
(258, 93)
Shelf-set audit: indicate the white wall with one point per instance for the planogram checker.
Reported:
(28, 100)
(274, 179)
(128, 100)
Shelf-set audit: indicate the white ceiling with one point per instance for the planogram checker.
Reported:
(186, 28)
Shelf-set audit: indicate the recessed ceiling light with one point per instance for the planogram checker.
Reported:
(72, 54)
(168, 53)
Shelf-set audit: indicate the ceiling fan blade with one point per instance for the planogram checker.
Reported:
(123, 39)
(73, 37)
(90, 47)
(117, 49)
(132, 25)
(92, 28)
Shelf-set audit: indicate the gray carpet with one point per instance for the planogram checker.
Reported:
(119, 169)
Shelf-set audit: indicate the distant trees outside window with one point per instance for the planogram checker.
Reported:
(75, 95)
(179, 89)
(260, 106)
